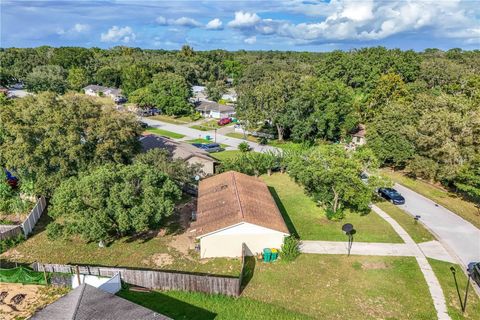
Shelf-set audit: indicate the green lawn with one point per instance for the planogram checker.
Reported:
(241, 136)
(444, 275)
(416, 230)
(449, 200)
(172, 119)
(165, 133)
(152, 250)
(227, 154)
(306, 219)
(207, 126)
(312, 287)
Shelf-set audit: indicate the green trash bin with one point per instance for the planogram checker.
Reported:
(208, 137)
(274, 254)
(267, 255)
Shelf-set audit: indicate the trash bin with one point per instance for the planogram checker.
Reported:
(208, 137)
(267, 255)
(274, 254)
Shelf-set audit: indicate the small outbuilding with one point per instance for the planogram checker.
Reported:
(358, 136)
(232, 209)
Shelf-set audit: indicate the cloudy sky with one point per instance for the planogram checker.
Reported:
(304, 25)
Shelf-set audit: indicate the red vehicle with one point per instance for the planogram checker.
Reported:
(224, 121)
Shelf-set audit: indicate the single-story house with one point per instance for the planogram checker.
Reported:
(180, 150)
(358, 136)
(211, 109)
(199, 93)
(86, 302)
(230, 95)
(95, 90)
(234, 209)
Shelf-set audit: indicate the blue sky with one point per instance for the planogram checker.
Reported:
(302, 25)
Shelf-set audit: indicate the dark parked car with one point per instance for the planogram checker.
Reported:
(209, 147)
(391, 195)
(474, 271)
(120, 99)
(224, 121)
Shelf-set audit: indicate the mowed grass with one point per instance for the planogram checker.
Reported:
(165, 133)
(241, 136)
(304, 218)
(207, 126)
(311, 287)
(444, 276)
(467, 210)
(226, 155)
(172, 119)
(149, 251)
(416, 230)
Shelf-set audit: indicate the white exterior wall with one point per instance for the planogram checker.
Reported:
(90, 92)
(112, 285)
(228, 242)
(208, 166)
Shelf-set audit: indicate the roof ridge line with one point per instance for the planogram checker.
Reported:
(237, 195)
(77, 306)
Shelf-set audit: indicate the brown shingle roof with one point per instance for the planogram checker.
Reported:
(360, 131)
(231, 198)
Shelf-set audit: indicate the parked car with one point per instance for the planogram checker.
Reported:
(209, 147)
(224, 121)
(391, 195)
(474, 271)
(120, 99)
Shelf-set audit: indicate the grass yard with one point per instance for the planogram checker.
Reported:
(207, 126)
(227, 154)
(467, 210)
(165, 133)
(172, 119)
(312, 287)
(155, 250)
(306, 219)
(442, 271)
(241, 136)
(416, 230)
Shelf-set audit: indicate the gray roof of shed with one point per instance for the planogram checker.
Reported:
(89, 303)
(213, 106)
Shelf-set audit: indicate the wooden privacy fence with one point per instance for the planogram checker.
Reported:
(33, 216)
(153, 279)
(9, 231)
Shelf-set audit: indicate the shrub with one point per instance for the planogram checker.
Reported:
(10, 242)
(290, 248)
(334, 215)
(262, 141)
(244, 147)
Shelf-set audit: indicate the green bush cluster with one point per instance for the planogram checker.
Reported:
(290, 248)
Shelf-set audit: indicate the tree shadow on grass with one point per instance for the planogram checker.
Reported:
(166, 305)
(283, 211)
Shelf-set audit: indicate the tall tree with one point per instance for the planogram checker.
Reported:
(47, 78)
(77, 78)
(50, 138)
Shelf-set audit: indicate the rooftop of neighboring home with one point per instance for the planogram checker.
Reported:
(107, 90)
(231, 198)
(360, 131)
(86, 302)
(196, 89)
(177, 149)
(213, 106)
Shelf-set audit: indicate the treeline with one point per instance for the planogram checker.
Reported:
(421, 109)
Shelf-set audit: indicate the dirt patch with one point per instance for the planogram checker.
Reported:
(182, 243)
(374, 265)
(21, 301)
(161, 259)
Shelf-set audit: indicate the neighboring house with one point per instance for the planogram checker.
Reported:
(211, 109)
(180, 150)
(230, 95)
(86, 302)
(199, 93)
(94, 90)
(358, 136)
(232, 209)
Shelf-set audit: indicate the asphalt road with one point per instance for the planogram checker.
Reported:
(459, 236)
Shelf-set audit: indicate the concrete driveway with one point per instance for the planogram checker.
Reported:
(459, 236)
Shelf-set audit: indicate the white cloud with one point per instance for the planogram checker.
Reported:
(75, 30)
(215, 24)
(244, 20)
(182, 22)
(118, 34)
(250, 40)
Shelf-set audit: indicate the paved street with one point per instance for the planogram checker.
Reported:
(194, 134)
(459, 236)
